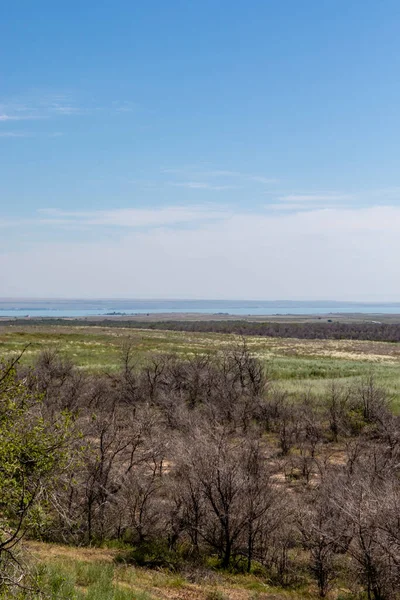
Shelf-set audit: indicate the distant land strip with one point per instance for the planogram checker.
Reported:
(330, 329)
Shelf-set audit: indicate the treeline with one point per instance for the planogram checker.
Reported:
(202, 461)
(385, 332)
(379, 332)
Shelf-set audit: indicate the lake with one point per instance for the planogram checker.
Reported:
(81, 308)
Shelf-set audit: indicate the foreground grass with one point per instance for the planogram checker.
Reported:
(67, 573)
(297, 365)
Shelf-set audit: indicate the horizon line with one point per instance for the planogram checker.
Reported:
(182, 299)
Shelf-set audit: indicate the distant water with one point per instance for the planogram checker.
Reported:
(82, 308)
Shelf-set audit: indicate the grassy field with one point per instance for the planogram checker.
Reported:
(295, 364)
(97, 574)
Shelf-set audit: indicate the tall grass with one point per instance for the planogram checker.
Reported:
(79, 580)
(295, 364)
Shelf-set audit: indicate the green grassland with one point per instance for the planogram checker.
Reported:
(66, 573)
(294, 364)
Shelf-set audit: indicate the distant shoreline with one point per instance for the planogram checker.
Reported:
(189, 310)
(355, 317)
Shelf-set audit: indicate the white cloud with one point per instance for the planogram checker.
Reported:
(201, 185)
(260, 179)
(296, 206)
(238, 174)
(339, 253)
(222, 173)
(135, 217)
(324, 200)
(48, 106)
(9, 118)
(66, 109)
(14, 134)
(205, 174)
(6, 118)
(322, 197)
(29, 134)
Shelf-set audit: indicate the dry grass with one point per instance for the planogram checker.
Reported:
(296, 364)
(57, 552)
(152, 584)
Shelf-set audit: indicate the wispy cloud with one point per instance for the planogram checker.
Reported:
(222, 173)
(47, 106)
(304, 201)
(201, 173)
(30, 134)
(36, 108)
(4, 118)
(352, 250)
(299, 202)
(124, 106)
(134, 217)
(260, 179)
(201, 185)
(66, 109)
(206, 214)
(290, 206)
(14, 134)
(317, 197)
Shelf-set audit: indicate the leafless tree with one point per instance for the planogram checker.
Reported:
(337, 404)
(326, 531)
(371, 506)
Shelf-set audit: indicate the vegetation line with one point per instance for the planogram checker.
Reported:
(379, 332)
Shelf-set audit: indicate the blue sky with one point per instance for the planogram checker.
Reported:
(207, 149)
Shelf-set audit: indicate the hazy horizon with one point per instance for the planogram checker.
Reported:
(189, 299)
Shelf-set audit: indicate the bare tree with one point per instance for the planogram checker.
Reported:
(371, 506)
(337, 406)
(226, 493)
(326, 531)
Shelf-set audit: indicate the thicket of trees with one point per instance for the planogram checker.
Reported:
(200, 461)
(380, 332)
(332, 330)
